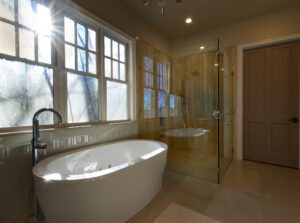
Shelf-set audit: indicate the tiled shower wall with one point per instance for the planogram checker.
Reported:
(15, 159)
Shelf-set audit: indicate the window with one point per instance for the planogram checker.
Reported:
(175, 105)
(162, 77)
(51, 56)
(26, 79)
(82, 78)
(24, 88)
(162, 104)
(115, 69)
(80, 47)
(149, 103)
(156, 85)
(148, 71)
(149, 92)
(172, 105)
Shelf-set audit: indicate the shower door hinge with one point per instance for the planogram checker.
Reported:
(218, 53)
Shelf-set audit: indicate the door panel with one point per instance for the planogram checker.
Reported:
(270, 101)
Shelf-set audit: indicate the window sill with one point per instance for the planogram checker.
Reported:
(59, 127)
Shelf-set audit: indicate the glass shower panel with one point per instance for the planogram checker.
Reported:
(188, 109)
(193, 139)
(226, 74)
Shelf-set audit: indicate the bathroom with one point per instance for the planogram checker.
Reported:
(155, 105)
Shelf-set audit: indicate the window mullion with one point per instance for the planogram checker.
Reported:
(16, 28)
(86, 50)
(100, 54)
(75, 47)
(61, 77)
(103, 80)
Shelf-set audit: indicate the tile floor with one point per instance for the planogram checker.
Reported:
(250, 192)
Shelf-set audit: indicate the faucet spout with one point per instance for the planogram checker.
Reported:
(36, 143)
(36, 115)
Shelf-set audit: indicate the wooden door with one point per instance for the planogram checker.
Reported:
(271, 107)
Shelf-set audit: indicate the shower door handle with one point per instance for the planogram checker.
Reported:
(216, 114)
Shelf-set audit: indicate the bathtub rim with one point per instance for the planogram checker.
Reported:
(114, 170)
(190, 136)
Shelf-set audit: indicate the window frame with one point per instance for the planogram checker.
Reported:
(69, 9)
(105, 79)
(157, 60)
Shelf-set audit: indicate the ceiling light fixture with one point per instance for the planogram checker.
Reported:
(161, 3)
(188, 20)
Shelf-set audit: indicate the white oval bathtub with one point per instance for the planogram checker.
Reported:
(106, 183)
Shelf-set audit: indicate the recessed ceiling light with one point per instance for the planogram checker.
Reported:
(202, 48)
(188, 20)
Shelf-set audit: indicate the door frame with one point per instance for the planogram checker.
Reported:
(239, 97)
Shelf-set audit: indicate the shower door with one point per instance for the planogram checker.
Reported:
(195, 152)
(188, 108)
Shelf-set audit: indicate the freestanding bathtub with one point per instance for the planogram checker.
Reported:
(107, 183)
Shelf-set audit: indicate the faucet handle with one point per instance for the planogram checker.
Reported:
(40, 145)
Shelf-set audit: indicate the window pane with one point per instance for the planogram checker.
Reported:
(83, 105)
(107, 67)
(81, 35)
(115, 50)
(43, 20)
(92, 40)
(26, 13)
(116, 101)
(24, 89)
(178, 106)
(122, 52)
(44, 49)
(81, 60)
(92, 63)
(162, 108)
(122, 72)
(149, 103)
(69, 30)
(69, 56)
(148, 64)
(115, 70)
(7, 41)
(148, 77)
(7, 9)
(26, 44)
(172, 105)
(107, 47)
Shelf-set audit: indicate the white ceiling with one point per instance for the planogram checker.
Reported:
(206, 14)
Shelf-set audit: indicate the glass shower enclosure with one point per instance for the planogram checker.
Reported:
(187, 103)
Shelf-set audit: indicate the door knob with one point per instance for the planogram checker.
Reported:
(293, 120)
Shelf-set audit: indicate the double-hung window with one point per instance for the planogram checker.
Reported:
(116, 80)
(163, 87)
(149, 92)
(26, 78)
(80, 43)
(55, 55)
